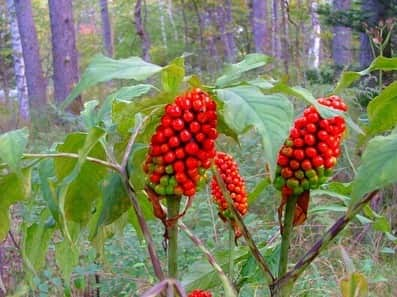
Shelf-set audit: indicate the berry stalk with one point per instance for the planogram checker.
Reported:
(173, 205)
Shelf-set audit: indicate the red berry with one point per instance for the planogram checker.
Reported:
(311, 152)
(318, 161)
(192, 148)
(168, 132)
(298, 142)
(294, 164)
(188, 116)
(185, 135)
(313, 118)
(166, 121)
(197, 105)
(164, 148)
(311, 128)
(282, 160)
(173, 142)
(178, 124)
(286, 172)
(192, 163)
(169, 157)
(179, 167)
(180, 153)
(194, 127)
(173, 110)
(306, 165)
(310, 139)
(299, 154)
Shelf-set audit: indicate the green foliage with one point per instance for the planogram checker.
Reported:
(80, 180)
(271, 115)
(381, 111)
(102, 69)
(378, 166)
(13, 188)
(12, 146)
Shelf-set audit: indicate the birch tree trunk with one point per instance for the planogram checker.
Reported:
(208, 17)
(64, 51)
(258, 15)
(31, 54)
(140, 30)
(106, 28)
(315, 40)
(19, 64)
(341, 42)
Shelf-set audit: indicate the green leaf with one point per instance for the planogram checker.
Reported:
(35, 243)
(103, 69)
(234, 71)
(89, 114)
(81, 180)
(124, 117)
(13, 188)
(307, 96)
(378, 166)
(115, 200)
(270, 115)
(259, 188)
(12, 146)
(355, 285)
(202, 275)
(46, 176)
(382, 111)
(126, 94)
(172, 75)
(67, 258)
(135, 169)
(346, 79)
(349, 77)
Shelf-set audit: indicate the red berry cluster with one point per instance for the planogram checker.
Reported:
(234, 182)
(307, 157)
(183, 145)
(199, 293)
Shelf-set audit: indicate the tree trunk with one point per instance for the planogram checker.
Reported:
(19, 64)
(223, 18)
(275, 27)
(258, 15)
(106, 28)
(162, 23)
(284, 38)
(341, 42)
(315, 39)
(64, 52)
(208, 17)
(172, 21)
(140, 30)
(185, 25)
(374, 11)
(31, 54)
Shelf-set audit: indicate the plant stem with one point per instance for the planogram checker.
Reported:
(247, 236)
(173, 205)
(286, 236)
(231, 248)
(227, 283)
(112, 166)
(323, 242)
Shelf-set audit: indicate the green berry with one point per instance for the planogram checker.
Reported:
(292, 183)
(169, 190)
(311, 173)
(299, 174)
(298, 190)
(305, 184)
(279, 182)
(169, 169)
(164, 180)
(159, 189)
